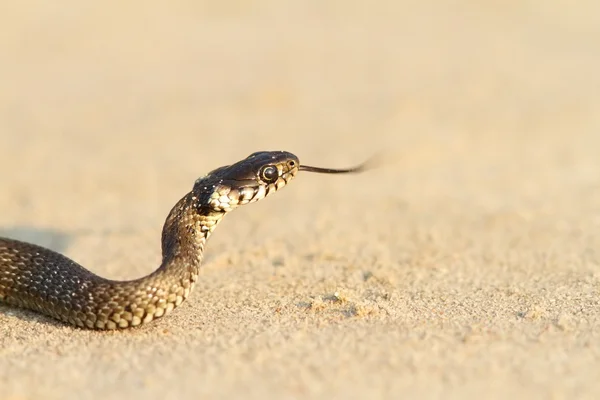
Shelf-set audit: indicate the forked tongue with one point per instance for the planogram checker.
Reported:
(367, 165)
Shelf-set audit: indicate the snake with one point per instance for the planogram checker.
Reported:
(44, 281)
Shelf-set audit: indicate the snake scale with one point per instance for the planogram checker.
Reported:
(42, 280)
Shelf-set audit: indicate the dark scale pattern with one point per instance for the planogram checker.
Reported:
(42, 280)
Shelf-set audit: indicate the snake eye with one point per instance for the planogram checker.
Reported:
(269, 173)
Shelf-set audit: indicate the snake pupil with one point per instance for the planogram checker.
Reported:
(269, 174)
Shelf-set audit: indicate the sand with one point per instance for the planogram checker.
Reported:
(467, 267)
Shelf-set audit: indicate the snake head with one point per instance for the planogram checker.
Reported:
(247, 181)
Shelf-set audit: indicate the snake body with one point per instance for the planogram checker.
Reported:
(42, 280)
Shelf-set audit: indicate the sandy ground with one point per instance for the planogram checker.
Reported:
(468, 267)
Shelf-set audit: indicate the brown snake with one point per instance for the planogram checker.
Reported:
(42, 280)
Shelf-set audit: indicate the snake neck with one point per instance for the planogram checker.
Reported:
(185, 233)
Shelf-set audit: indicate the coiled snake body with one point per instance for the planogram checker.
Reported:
(42, 280)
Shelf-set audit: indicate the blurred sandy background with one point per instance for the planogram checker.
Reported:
(468, 268)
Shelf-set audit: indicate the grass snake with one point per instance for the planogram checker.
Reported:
(42, 280)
